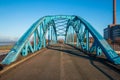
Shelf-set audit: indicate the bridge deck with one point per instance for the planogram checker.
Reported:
(62, 62)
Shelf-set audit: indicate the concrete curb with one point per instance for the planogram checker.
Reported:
(21, 61)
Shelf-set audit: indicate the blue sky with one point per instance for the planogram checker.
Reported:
(16, 16)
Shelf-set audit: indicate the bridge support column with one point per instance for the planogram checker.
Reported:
(77, 42)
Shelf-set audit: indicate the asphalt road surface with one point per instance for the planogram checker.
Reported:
(63, 62)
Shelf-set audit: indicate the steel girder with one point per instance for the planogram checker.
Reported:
(78, 25)
(83, 29)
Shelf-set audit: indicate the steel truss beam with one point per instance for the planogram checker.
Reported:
(73, 25)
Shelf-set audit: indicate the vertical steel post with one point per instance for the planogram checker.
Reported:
(73, 36)
(54, 38)
(70, 35)
(30, 46)
(26, 49)
(51, 35)
(41, 36)
(48, 36)
(44, 39)
(35, 45)
(39, 33)
(87, 40)
(44, 42)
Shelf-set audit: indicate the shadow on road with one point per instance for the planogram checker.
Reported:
(70, 49)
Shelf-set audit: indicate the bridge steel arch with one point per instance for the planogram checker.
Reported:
(39, 29)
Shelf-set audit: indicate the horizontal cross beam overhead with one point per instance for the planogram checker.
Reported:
(71, 27)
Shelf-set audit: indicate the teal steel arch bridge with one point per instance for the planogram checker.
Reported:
(34, 38)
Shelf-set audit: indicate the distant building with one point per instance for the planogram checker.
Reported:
(112, 33)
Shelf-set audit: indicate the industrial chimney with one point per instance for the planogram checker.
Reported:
(114, 12)
(112, 32)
